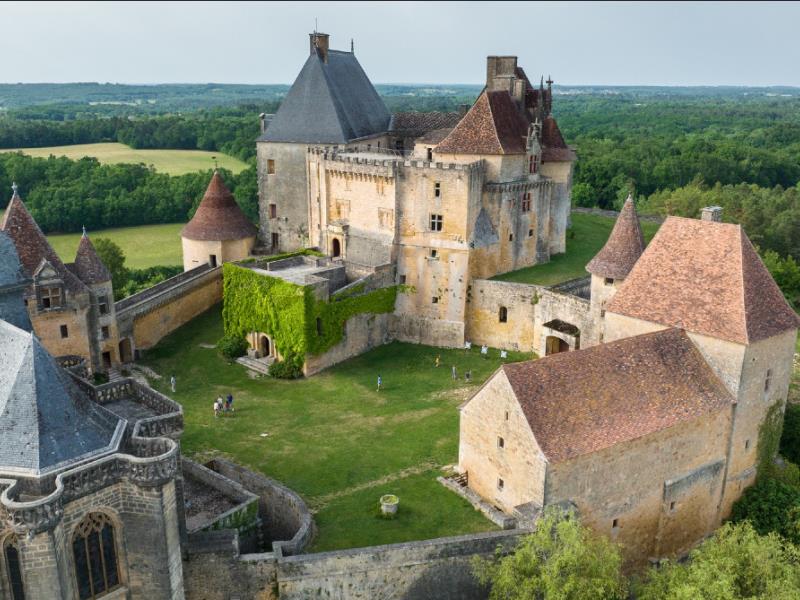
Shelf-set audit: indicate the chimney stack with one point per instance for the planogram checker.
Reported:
(319, 44)
(501, 72)
(263, 120)
(711, 213)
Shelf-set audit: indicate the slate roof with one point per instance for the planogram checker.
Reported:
(623, 247)
(330, 102)
(417, 123)
(584, 401)
(32, 245)
(45, 421)
(707, 278)
(492, 126)
(12, 280)
(11, 274)
(218, 218)
(88, 266)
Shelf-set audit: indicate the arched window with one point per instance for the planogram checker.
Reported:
(95, 551)
(503, 314)
(14, 567)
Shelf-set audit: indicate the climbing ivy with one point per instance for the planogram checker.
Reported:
(289, 312)
(769, 438)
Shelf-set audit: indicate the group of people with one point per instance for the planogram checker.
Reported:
(221, 405)
(454, 371)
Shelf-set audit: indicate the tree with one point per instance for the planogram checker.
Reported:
(735, 564)
(560, 560)
(114, 259)
(771, 505)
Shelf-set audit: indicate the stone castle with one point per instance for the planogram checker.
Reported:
(660, 370)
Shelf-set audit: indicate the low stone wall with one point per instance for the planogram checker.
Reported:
(432, 569)
(565, 307)
(614, 214)
(483, 325)
(431, 332)
(362, 332)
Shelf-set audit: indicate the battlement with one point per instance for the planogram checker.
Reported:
(376, 159)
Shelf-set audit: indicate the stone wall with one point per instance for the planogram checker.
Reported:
(362, 332)
(483, 325)
(287, 189)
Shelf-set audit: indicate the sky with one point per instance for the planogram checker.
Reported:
(615, 43)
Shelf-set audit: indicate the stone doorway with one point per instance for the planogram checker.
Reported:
(125, 351)
(264, 347)
(336, 248)
(555, 345)
(106, 360)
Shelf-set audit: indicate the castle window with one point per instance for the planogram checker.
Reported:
(430, 153)
(319, 326)
(526, 202)
(510, 237)
(767, 380)
(369, 147)
(64, 331)
(212, 260)
(609, 281)
(436, 222)
(503, 314)
(530, 232)
(672, 506)
(95, 552)
(615, 524)
(275, 238)
(602, 312)
(14, 568)
(435, 300)
(532, 164)
(270, 167)
(501, 443)
(437, 190)
(433, 253)
(747, 444)
(102, 304)
(500, 484)
(402, 279)
(50, 297)
(506, 415)
(273, 211)
(104, 331)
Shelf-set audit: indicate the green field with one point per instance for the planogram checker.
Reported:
(584, 239)
(173, 162)
(333, 438)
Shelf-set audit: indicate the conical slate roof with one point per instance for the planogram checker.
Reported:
(45, 421)
(218, 218)
(623, 247)
(12, 285)
(11, 273)
(32, 246)
(88, 266)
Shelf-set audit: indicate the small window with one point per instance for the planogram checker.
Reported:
(275, 239)
(402, 279)
(102, 304)
(500, 484)
(64, 331)
(532, 164)
(212, 260)
(369, 147)
(672, 506)
(609, 281)
(602, 312)
(615, 524)
(273, 211)
(506, 415)
(436, 222)
(51, 297)
(767, 380)
(270, 167)
(503, 314)
(747, 444)
(435, 300)
(319, 326)
(530, 232)
(104, 331)
(14, 568)
(501, 443)
(525, 205)
(434, 253)
(437, 190)
(430, 153)
(510, 237)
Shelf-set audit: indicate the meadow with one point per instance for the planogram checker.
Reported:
(172, 162)
(333, 437)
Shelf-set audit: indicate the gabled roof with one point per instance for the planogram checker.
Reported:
(623, 247)
(554, 148)
(45, 421)
(584, 401)
(330, 102)
(32, 245)
(707, 278)
(88, 266)
(218, 218)
(493, 125)
(418, 123)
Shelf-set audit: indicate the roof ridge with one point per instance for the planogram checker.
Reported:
(493, 121)
(742, 284)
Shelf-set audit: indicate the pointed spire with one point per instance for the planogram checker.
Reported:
(623, 247)
(84, 231)
(88, 265)
(352, 47)
(14, 190)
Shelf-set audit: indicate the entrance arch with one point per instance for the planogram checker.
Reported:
(555, 345)
(125, 351)
(264, 346)
(336, 248)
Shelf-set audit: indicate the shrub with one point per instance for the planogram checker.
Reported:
(100, 378)
(285, 369)
(770, 505)
(790, 440)
(232, 346)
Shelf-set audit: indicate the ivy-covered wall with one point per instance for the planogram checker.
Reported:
(289, 313)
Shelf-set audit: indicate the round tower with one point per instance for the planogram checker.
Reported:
(219, 231)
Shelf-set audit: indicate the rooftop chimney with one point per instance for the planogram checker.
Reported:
(711, 213)
(319, 44)
(499, 70)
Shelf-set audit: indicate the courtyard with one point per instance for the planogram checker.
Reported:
(334, 438)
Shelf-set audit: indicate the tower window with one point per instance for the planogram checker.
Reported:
(530, 232)
(434, 253)
(95, 553)
(672, 506)
(500, 484)
(270, 167)
(615, 524)
(273, 211)
(437, 190)
(102, 304)
(501, 443)
(50, 297)
(609, 281)
(526, 202)
(402, 279)
(506, 415)
(768, 380)
(503, 314)
(532, 164)
(435, 300)
(430, 153)
(747, 444)
(510, 237)
(104, 332)
(14, 568)
(64, 332)
(436, 222)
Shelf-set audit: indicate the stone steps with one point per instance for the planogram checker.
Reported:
(259, 365)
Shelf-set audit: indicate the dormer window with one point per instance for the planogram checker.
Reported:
(50, 297)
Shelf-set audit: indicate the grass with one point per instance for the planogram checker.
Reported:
(584, 239)
(144, 246)
(333, 437)
(173, 162)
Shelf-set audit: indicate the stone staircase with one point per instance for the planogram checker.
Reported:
(259, 365)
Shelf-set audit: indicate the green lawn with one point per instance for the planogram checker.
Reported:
(144, 246)
(333, 437)
(584, 239)
(173, 162)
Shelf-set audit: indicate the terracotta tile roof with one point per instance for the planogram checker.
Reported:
(707, 278)
(32, 245)
(492, 126)
(218, 217)
(435, 136)
(580, 402)
(554, 148)
(623, 247)
(418, 123)
(88, 266)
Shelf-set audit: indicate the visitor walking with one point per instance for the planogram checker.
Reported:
(380, 382)
(484, 351)
(217, 406)
(503, 354)
(455, 373)
(437, 360)
(229, 403)
(468, 375)
(172, 383)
